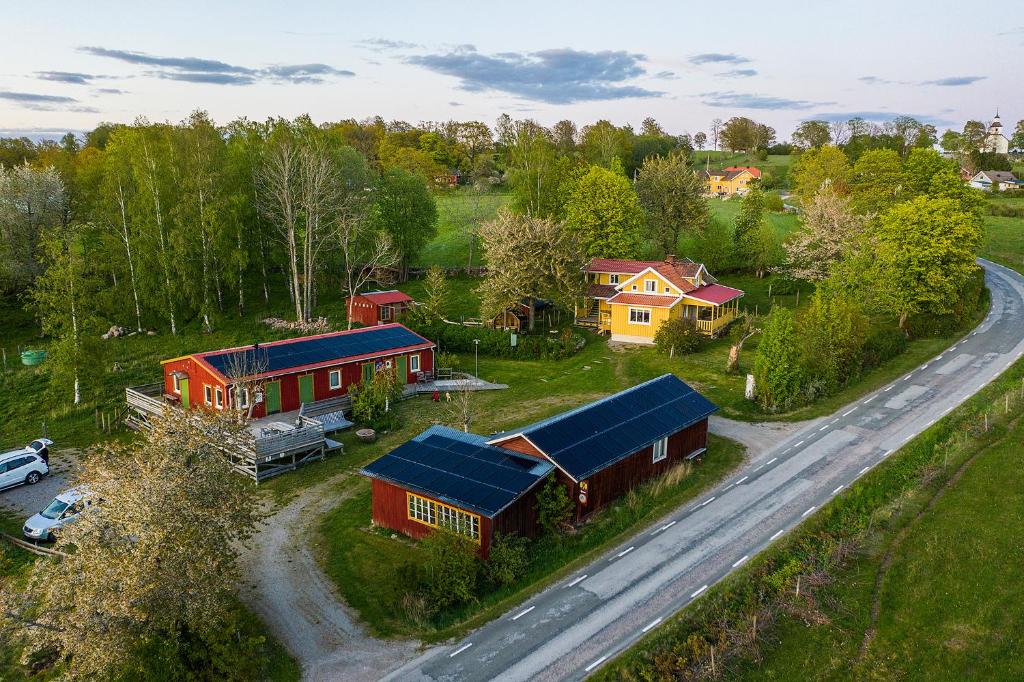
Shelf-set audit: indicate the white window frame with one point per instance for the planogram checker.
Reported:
(242, 398)
(414, 363)
(208, 395)
(638, 315)
(334, 373)
(385, 312)
(659, 452)
(613, 279)
(650, 286)
(218, 398)
(176, 383)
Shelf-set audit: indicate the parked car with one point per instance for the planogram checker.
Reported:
(62, 510)
(27, 465)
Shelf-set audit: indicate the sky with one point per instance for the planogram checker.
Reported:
(67, 66)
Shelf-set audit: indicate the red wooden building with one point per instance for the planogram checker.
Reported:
(377, 307)
(296, 371)
(598, 451)
(445, 478)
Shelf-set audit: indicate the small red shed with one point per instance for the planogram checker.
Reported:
(287, 373)
(377, 307)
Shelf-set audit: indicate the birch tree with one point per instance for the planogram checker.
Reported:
(30, 201)
(279, 203)
(64, 298)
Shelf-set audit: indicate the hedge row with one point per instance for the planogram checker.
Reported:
(720, 624)
(455, 338)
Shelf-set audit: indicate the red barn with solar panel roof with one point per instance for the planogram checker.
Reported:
(296, 371)
(377, 307)
(485, 485)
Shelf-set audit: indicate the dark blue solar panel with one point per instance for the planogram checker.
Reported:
(471, 475)
(587, 439)
(284, 356)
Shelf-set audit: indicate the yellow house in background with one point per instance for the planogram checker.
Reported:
(630, 299)
(730, 181)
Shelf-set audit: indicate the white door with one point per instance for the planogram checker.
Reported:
(6, 477)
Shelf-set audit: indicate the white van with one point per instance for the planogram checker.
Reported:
(27, 465)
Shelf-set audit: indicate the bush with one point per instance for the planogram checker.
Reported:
(972, 298)
(508, 560)
(777, 368)
(678, 335)
(773, 202)
(373, 402)
(450, 571)
(1006, 210)
(883, 345)
(553, 505)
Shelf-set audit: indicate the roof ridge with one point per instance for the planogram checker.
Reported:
(600, 401)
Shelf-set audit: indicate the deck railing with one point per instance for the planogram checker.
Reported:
(712, 326)
(147, 398)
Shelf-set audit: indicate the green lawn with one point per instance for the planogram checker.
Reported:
(1004, 240)
(949, 604)
(458, 213)
(727, 209)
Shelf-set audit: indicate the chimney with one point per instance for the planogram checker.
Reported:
(671, 258)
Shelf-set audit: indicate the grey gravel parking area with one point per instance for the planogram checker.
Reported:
(26, 500)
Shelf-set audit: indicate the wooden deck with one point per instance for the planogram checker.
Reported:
(277, 444)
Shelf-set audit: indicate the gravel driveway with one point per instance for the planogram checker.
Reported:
(286, 587)
(26, 500)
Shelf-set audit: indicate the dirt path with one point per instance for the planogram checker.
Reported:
(286, 587)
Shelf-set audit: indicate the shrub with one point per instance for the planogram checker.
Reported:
(508, 560)
(777, 368)
(456, 338)
(678, 335)
(883, 345)
(773, 202)
(373, 402)
(553, 505)
(451, 568)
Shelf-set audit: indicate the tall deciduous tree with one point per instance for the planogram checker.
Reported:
(819, 168)
(700, 139)
(64, 297)
(811, 134)
(31, 200)
(922, 252)
(404, 208)
(153, 561)
(604, 214)
(743, 134)
(672, 197)
(529, 258)
(877, 181)
(829, 227)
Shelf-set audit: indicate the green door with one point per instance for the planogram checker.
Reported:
(183, 385)
(306, 388)
(367, 372)
(272, 393)
(401, 372)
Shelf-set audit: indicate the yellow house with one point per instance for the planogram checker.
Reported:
(730, 181)
(630, 299)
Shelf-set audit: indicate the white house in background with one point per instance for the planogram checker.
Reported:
(998, 180)
(995, 141)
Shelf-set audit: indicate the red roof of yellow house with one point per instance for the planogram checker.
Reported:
(756, 172)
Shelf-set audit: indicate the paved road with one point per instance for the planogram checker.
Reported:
(572, 628)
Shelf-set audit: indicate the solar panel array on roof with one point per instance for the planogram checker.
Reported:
(472, 476)
(585, 440)
(317, 349)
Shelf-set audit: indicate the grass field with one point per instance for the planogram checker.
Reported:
(949, 606)
(457, 215)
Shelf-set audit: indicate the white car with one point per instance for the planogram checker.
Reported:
(27, 465)
(62, 510)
